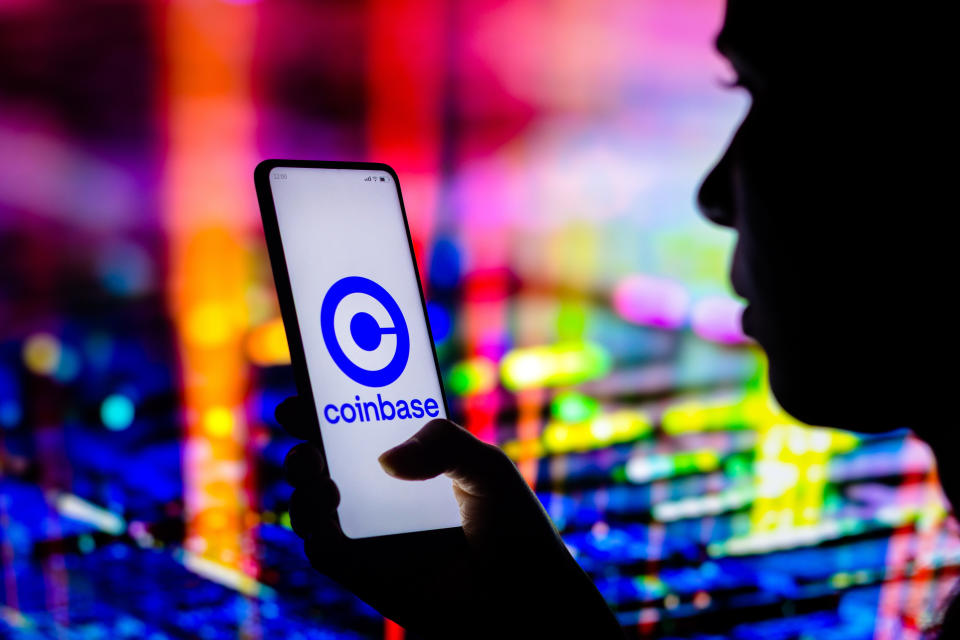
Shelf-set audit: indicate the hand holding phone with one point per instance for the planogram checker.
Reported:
(508, 576)
(368, 380)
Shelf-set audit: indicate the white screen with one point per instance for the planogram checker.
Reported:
(344, 241)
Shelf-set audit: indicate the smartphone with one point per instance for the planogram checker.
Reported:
(360, 342)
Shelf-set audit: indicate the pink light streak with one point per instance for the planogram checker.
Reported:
(717, 318)
(651, 301)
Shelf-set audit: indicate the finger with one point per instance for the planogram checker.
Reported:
(295, 417)
(368, 570)
(329, 551)
(304, 465)
(444, 447)
(376, 570)
(313, 508)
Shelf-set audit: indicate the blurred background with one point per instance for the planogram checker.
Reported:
(549, 152)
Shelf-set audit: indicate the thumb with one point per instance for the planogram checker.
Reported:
(442, 446)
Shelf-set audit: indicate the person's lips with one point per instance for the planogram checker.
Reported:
(739, 276)
(747, 321)
(737, 287)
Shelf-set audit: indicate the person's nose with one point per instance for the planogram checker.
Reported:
(715, 198)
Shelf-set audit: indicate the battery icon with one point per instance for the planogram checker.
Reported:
(382, 179)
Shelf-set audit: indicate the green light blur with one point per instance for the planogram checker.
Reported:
(574, 407)
(473, 376)
(738, 466)
(572, 321)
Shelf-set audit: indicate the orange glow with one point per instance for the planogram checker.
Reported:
(529, 422)
(267, 344)
(210, 213)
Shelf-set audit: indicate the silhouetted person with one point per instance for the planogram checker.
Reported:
(835, 184)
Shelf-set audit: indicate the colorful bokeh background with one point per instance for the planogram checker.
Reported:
(549, 152)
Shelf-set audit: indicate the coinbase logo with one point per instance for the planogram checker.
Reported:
(364, 331)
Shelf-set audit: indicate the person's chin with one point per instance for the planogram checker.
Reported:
(817, 394)
(797, 398)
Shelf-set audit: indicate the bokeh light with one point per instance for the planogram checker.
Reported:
(41, 353)
(554, 365)
(117, 412)
(218, 422)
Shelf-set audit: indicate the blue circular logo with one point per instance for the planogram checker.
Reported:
(367, 333)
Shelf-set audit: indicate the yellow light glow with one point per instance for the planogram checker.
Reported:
(524, 449)
(561, 364)
(267, 344)
(603, 430)
(790, 466)
(218, 422)
(41, 353)
(212, 323)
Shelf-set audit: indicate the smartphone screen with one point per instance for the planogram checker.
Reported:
(368, 352)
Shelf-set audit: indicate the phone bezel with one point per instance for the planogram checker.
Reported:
(278, 263)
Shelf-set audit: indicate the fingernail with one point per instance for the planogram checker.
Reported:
(385, 463)
(393, 460)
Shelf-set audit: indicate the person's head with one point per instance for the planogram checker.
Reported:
(832, 184)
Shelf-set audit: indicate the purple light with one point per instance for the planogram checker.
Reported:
(650, 301)
(717, 318)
